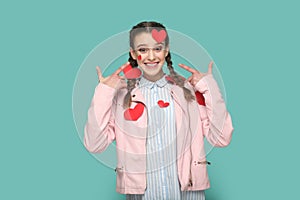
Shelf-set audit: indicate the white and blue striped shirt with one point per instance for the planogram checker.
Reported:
(162, 179)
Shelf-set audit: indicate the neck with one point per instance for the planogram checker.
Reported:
(154, 78)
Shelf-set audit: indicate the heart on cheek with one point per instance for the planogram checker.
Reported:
(200, 98)
(139, 57)
(159, 36)
(163, 104)
(133, 114)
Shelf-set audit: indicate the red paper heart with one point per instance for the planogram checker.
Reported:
(133, 114)
(162, 104)
(132, 73)
(159, 36)
(168, 78)
(127, 68)
(200, 98)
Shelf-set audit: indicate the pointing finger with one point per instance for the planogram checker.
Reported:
(120, 69)
(210, 67)
(188, 68)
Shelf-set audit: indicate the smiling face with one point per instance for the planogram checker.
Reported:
(150, 55)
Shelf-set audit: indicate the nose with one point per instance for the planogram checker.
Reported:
(151, 55)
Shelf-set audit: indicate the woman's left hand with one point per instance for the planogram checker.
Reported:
(196, 75)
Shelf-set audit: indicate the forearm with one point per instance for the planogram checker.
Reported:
(99, 128)
(215, 117)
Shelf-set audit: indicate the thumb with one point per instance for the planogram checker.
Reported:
(99, 73)
(210, 67)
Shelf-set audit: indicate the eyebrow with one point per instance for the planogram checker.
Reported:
(161, 43)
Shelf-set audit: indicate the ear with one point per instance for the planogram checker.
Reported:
(166, 51)
(133, 55)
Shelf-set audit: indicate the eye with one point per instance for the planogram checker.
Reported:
(142, 50)
(158, 49)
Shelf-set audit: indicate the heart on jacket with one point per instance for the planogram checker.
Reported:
(200, 98)
(135, 113)
(162, 104)
(159, 36)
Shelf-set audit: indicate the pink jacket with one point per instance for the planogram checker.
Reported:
(106, 122)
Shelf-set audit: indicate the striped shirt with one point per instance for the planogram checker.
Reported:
(162, 179)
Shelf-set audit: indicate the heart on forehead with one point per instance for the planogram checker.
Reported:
(159, 36)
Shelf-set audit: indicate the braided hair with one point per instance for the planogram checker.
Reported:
(148, 27)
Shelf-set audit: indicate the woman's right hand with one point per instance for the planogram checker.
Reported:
(115, 80)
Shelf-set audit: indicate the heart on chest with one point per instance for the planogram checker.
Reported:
(163, 104)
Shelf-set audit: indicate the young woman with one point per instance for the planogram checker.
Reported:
(158, 121)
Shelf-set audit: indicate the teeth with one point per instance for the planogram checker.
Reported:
(151, 65)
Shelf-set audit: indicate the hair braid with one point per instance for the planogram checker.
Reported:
(178, 79)
(130, 84)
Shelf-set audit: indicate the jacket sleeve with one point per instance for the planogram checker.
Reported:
(216, 121)
(99, 130)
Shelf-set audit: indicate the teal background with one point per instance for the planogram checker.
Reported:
(42, 45)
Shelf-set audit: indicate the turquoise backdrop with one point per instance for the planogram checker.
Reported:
(43, 43)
